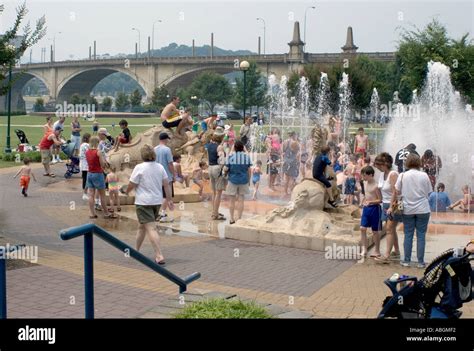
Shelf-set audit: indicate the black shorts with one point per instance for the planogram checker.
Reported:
(172, 124)
(323, 180)
(172, 190)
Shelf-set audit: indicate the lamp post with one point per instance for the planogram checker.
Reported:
(12, 48)
(54, 44)
(244, 66)
(153, 35)
(194, 98)
(139, 46)
(264, 36)
(304, 33)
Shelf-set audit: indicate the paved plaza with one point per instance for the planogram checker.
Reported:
(297, 279)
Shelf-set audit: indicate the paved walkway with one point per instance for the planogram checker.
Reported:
(299, 279)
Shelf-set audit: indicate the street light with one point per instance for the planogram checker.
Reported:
(304, 33)
(264, 37)
(139, 47)
(12, 48)
(244, 66)
(54, 45)
(153, 35)
(194, 98)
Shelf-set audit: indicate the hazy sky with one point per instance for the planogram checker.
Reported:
(376, 24)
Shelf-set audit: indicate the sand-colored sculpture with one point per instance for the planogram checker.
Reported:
(188, 145)
(302, 223)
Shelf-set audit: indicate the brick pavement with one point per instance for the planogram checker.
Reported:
(284, 276)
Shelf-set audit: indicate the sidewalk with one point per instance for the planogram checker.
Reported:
(298, 279)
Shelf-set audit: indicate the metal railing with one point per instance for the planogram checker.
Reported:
(3, 277)
(88, 230)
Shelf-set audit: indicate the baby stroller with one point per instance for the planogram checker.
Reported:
(73, 166)
(24, 144)
(445, 286)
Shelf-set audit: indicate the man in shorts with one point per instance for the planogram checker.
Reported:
(171, 117)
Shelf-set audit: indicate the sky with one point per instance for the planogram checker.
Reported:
(376, 24)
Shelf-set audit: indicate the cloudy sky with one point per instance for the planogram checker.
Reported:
(376, 24)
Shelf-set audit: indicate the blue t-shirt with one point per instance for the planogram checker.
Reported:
(238, 164)
(439, 201)
(164, 157)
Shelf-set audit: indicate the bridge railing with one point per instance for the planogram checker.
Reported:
(88, 231)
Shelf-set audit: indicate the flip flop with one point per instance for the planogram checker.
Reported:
(161, 263)
(375, 256)
(52, 175)
(93, 217)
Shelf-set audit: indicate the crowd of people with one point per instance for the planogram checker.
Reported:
(405, 189)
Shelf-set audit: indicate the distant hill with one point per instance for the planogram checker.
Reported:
(175, 50)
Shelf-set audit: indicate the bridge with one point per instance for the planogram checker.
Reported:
(63, 79)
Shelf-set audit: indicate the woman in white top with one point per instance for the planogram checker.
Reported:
(414, 186)
(388, 178)
(83, 166)
(149, 179)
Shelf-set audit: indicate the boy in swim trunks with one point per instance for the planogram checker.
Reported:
(25, 173)
(171, 117)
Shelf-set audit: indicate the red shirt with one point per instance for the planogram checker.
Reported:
(93, 162)
(45, 143)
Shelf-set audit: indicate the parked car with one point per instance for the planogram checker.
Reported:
(233, 115)
(222, 115)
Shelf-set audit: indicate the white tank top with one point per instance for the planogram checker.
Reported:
(385, 187)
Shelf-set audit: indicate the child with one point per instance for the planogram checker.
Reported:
(467, 202)
(95, 127)
(25, 172)
(361, 142)
(439, 200)
(180, 177)
(198, 177)
(371, 211)
(349, 185)
(125, 136)
(273, 169)
(112, 180)
(319, 170)
(256, 174)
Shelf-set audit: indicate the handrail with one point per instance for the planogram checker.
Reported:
(88, 230)
(3, 278)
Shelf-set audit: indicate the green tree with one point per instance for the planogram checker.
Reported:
(8, 52)
(75, 99)
(93, 102)
(106, 104)
(39, 105)
(256, 89)
(419, 46)
(122, 102)
(212, 89)
(160, 97)
(136, 101)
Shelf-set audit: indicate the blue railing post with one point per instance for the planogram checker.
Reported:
(3, 284)
(89, 274)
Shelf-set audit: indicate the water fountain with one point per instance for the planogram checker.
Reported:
(436, 120)
(375, 110)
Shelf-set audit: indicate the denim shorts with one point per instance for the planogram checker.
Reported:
(95, 181)
(76, 141)
(384, 216)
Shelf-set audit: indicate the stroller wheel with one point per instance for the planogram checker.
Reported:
(67, 175)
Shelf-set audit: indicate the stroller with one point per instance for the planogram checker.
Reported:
(24, 144)
(73, 166)
(445, 286)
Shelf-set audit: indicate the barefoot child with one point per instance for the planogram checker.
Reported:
(371, 211)
(112, 180)
(180, 177)
(25, 172)
(125, 136)
(467, 202)
(350, 182)
(319, 172)
(256, 174)
(198, 177)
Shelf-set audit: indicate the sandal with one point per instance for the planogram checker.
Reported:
(382, 259)
(231, 222)
(119, 209)
(93, 217)
(161, 263)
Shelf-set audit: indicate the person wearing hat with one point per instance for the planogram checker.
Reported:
(57, 149)
(50, 139)
(164, 157)
(105, 144)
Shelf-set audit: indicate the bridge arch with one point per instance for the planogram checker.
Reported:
(84, 81)
(185, 78)
(19, 81)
